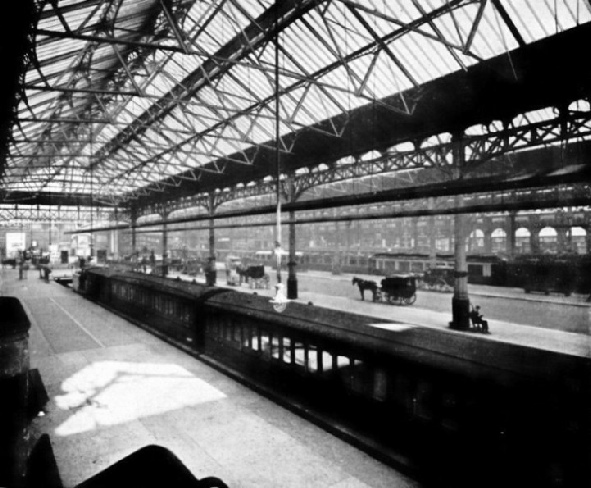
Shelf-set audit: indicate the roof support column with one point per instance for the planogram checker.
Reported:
(337, 262)
(133, 224)
(164, 215)
(511, 229)
(292, 280)
(210, 269)
(432, 235)
(460, 301)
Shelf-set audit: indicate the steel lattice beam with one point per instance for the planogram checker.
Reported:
(568, 126)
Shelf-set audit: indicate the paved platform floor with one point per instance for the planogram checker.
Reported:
(115, 388)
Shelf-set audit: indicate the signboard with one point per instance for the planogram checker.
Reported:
(54, 253)
(15, 241)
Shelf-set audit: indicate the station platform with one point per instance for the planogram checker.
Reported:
(115, 388)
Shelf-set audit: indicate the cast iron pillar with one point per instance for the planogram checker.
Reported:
(337, 257)
(292, 279)
(165, 244)
(432, 234)
(414, 233)
(133, 231)
(210, 269)
(460, 302)
(534, 240)
(512, 228)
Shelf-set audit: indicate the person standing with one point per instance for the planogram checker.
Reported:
(153, 261)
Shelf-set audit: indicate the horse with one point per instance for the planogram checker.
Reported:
(366, 285)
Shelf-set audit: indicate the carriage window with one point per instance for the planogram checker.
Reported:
(475, 269)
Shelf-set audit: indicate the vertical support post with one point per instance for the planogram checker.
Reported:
(570, 243)
(511, 234)
(488, 228)
(348, 241)
(535, 247)
(165, 244)
(133, 231)
(337, 259)
(562, 240)
(432, 234)
(210, 270)
(277, 157)
(292, 280)
(460, 300)
(414, 222)
(115, 237)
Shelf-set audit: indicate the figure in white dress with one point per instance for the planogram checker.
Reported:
(280, 300)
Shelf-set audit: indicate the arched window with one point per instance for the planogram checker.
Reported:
(522, 241)
(548, 240)
(499, 240)
(476, 240)
(579, 240)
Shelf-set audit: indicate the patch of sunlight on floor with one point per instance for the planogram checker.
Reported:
(394, 327)
(114, 392)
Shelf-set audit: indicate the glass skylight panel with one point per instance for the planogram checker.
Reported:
(334, 31)
(345, 31)
(308, 47)
(524, 16)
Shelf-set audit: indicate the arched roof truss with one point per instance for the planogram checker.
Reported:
(129, 100)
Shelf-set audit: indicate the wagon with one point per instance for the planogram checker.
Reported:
(254, 275)
(398, 289)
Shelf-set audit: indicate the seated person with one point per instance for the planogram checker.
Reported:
(477, 320)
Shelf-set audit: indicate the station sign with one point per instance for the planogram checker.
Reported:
(15, 242)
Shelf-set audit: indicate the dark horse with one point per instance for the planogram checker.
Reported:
(366, 285)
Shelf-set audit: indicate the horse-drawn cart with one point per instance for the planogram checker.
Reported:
(396, 289)
(254, 275)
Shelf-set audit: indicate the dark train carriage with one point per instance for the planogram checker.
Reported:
(482, 269)
(486, 269)
(387, 263)
(561, 274)
(268, 258)
(355, 263)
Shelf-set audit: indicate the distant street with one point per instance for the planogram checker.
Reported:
(566, 317)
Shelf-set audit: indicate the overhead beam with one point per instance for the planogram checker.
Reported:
(64, 89)
(109, 40)
(577, 174)
(546, 73)
(287, 11)
(49, 198)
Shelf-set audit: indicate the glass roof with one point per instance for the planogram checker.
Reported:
(128, 93)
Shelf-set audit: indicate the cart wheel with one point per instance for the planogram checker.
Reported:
(410, 300)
